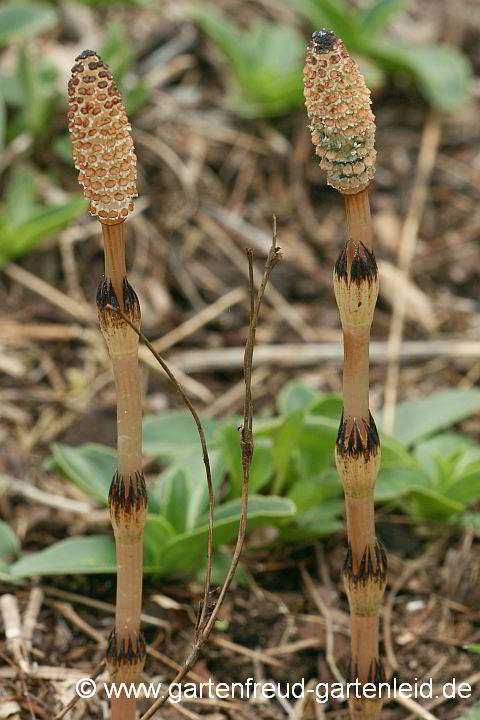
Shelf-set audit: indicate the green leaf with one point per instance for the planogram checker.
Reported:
(374, 17)
(444, 445)
(221, 562)
(19, 21)
(12, 91)
(182, 553)
(20, 239)
(223, 32)
(316, 446)
(317, 521)
(158, 532)
(333, 14)
(115, 50)
(467, 520)
(266, 61)
(90, 467)
(314, 491)
(429, 504)
(181, 492)
(261, 469)
(9, 545)
(296, 396)
(394, 454)
(396, 482)
(172, 433)
(172, 494)
(328, 406)
(472, 713)
(442, 73)
(285, 442)
(466, 488)
(415, 419)
(94, 554)
(474, 649)
(20, 194)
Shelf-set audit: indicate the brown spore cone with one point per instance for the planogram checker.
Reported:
(102, 143)
(341, 120)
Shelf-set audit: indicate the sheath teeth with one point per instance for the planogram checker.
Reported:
(355, 282)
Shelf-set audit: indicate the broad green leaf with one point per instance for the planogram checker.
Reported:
(442, 73)
(94, 554)
(374, 17)
(443, 446)
(12, 91)
(184, 552)
(429, 504)
(20, 194)
(22, 20)
(157, 533)
(221, 562)
(472, 713)
(332, 14)
(90, 467)
(115, 50)
(395, 482)
(317, 521)
(172, 494)
(466, 488)
(223, 33)
(170, 433)
(316, 446)
(285, 442)
(467, 520)
(474, 649)
(394, 454)
(416, 419)
(22, 238)
(295, 396)
(181, 491)
(266, 61)
(261, 469)
(329, 406)
(9, 545)
(314, 491)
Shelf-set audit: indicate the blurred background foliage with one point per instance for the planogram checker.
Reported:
(264, 74)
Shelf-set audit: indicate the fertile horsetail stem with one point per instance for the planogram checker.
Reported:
(343, 132)
(104, 155)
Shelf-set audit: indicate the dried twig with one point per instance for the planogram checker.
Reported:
(211, 606)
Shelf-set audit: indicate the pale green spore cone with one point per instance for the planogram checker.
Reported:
(341, 121)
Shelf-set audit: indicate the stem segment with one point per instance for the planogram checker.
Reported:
(358, 449)
(127, 498)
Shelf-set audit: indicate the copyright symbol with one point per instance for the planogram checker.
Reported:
(86, 688)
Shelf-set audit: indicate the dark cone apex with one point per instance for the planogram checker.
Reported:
(324, 40)
(85, 54)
